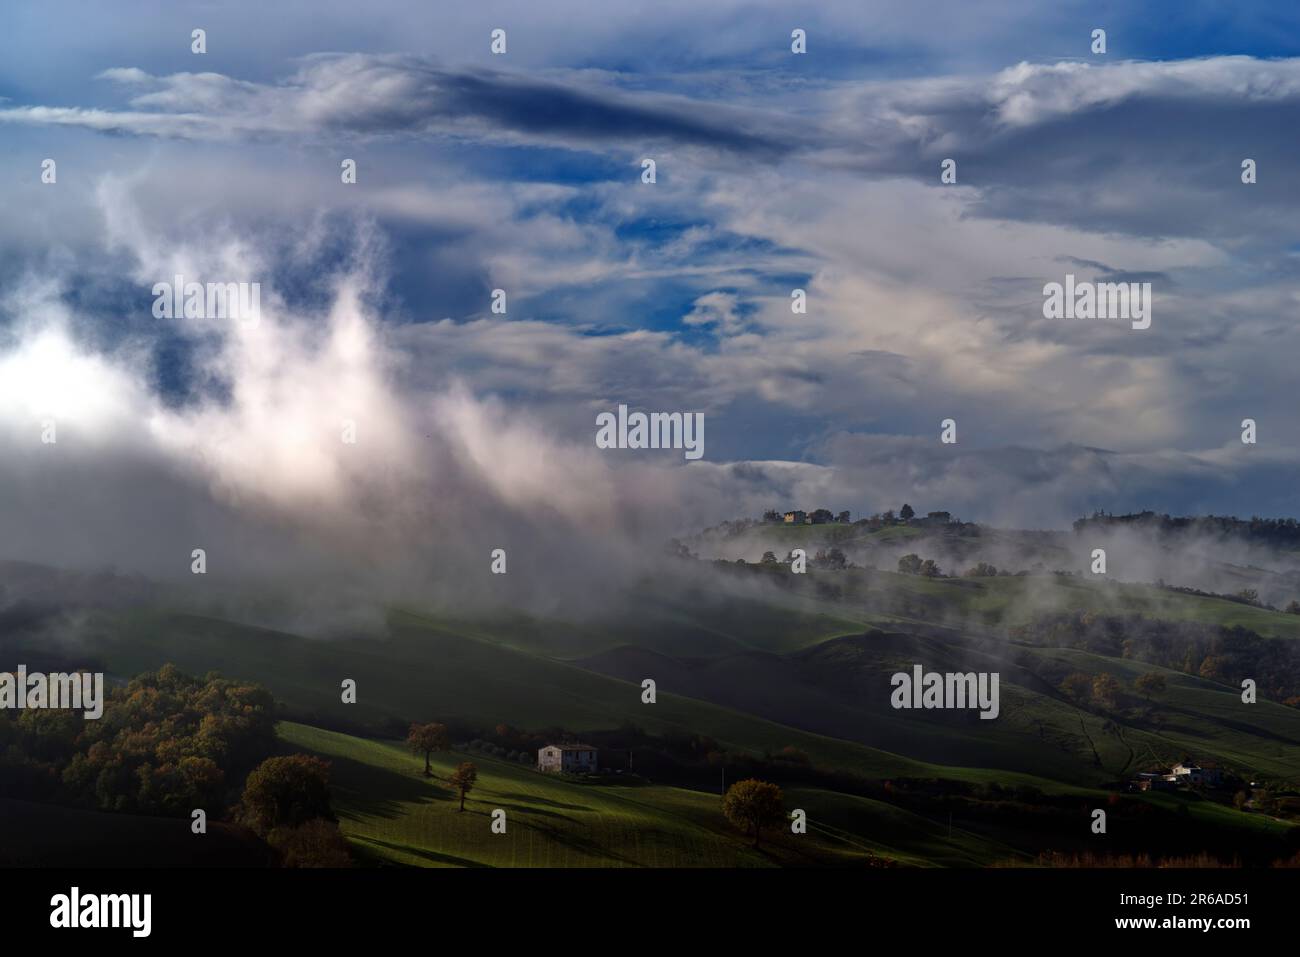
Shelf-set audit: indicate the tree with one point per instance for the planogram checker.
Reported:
(1105, 688)
(1293, 608)
(426, 739)
(906, 513)
(287, 792)
(930, 569)
(1150, 683)
(1212, 667)
(1077, 686)
(981, 570)
(1240, 800)
(769, 558)
(910, 564)
(752, 805)
(317, 843)
(833, 559)
(463, 778)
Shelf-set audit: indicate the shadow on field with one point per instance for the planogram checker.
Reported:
(375, 792)
(547, 801)
(526, 809)
(432, 856)
(556, 833)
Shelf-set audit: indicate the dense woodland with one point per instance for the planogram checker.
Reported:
(167, 743)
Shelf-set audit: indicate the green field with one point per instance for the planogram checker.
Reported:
(759, 661)
(393, 814)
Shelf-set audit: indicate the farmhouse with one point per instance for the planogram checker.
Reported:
(796, 518)
(1179, 776)
(934, 518)
(568, 758)
(1155, 781)
(1195, 774)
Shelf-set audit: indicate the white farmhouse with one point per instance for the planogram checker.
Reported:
(569, 758)
(1195, 774)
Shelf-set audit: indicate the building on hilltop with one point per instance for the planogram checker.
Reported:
(1196, 774)
(567, 758)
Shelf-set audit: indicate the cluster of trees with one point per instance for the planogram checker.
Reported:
(166, 743)
(832, 559)
(1246, 596)
(429, 739)
(914, 565)
(1275, 532)
(1216, 652)
(819, 516)
(286, 802)
(1106, 690)
(169, 743)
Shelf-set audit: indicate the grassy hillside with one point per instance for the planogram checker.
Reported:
(826, 697)
(393, 814)
(841, 689)
(425, 671)
(999, 603)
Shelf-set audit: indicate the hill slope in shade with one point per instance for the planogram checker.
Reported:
(392, 813)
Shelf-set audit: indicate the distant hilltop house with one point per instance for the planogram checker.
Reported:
(1180, 775)
(820, 516)
(1197, 774)
(567, 758)
(934, 518)
(1155, 781)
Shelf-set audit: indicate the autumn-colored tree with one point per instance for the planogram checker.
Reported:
(1078, 686)
(1212, 668)
(168, 742)
(1150, 683)
(1105, 689)
(463, 779)
(426, 739)
(286, 792)
(752, 805)
(317, 843)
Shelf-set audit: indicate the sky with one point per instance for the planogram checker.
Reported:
(522, 171)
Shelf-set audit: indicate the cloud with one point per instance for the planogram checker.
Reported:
(259, 473)
(475, 429)
(382, 95)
